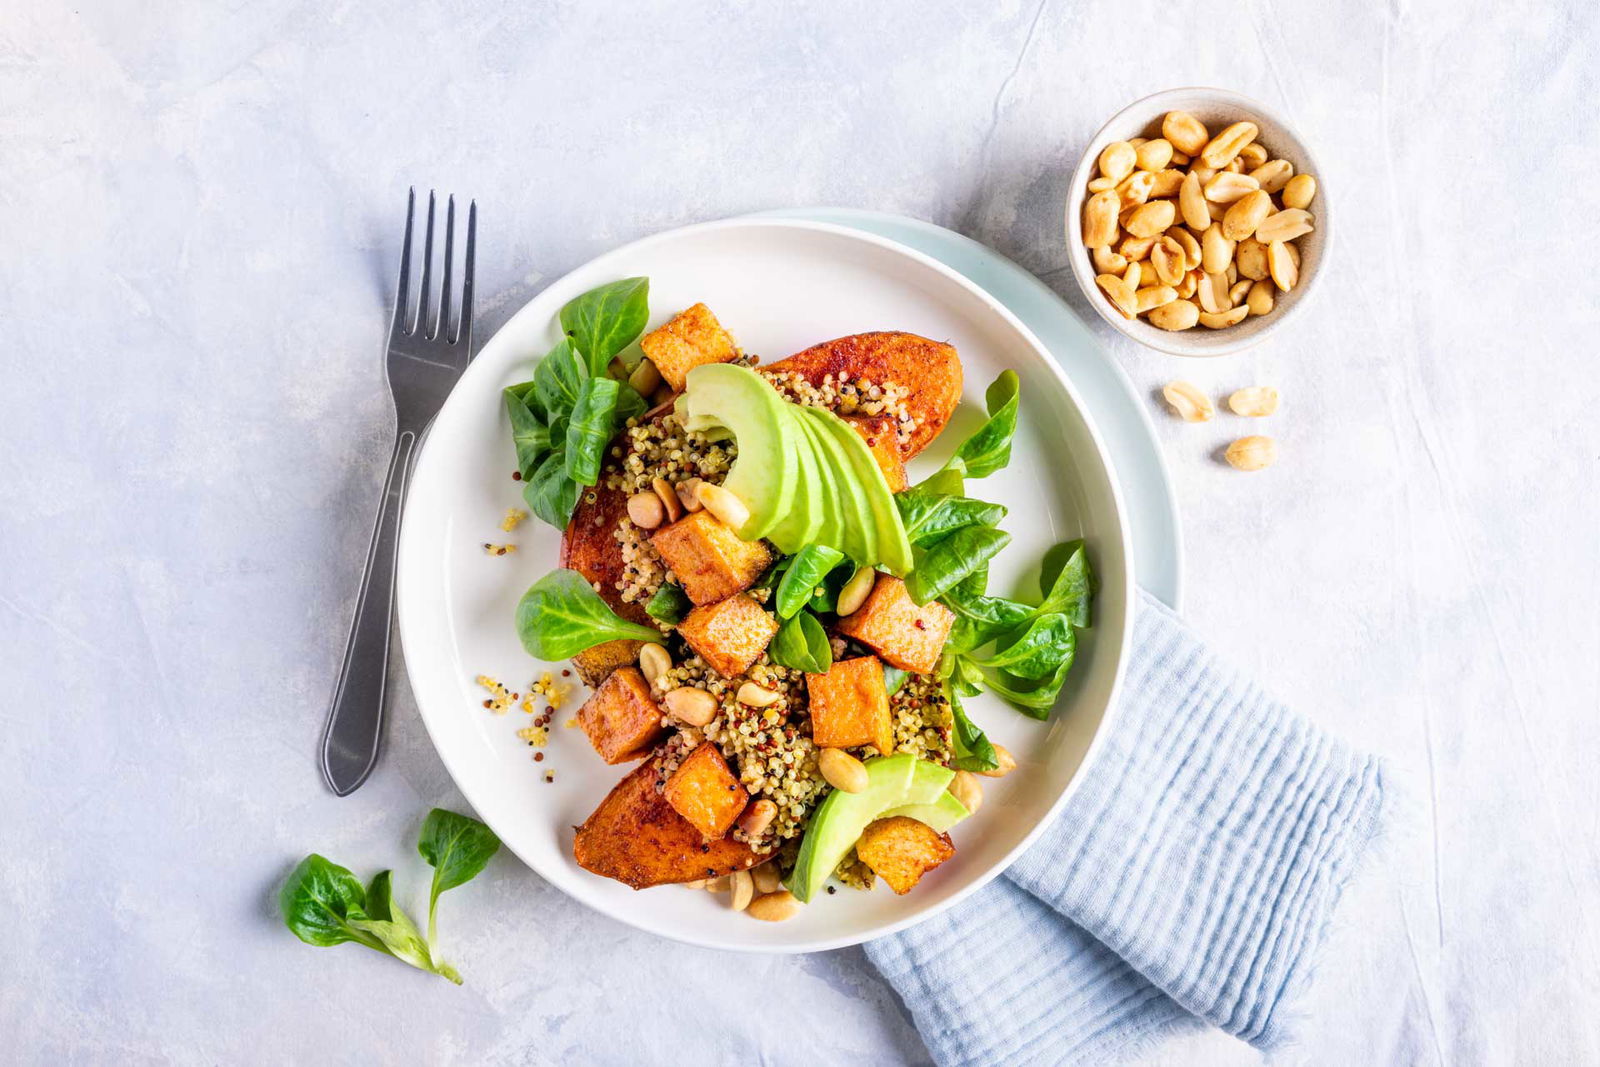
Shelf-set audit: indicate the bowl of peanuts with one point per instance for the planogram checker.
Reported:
(1196, 222)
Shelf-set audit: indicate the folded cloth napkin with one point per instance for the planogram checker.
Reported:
(1189, 880)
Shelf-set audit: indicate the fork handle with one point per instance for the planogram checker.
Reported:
(355, 719)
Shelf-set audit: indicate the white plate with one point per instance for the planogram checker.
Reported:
(779, 286)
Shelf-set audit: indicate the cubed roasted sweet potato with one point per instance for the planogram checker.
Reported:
(589, 546)
(892, 625)
(902, 850)
(929, 371)
(878, 431)
(850, 706)
(635, 837)
(729, 634)
(621, 718)
(691, 338)
(594, 665)
(708, 558)
(704, 791)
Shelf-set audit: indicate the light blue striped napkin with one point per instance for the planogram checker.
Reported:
(1189, 880)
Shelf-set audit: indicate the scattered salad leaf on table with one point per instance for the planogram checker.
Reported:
(323, 904)
(561, 615)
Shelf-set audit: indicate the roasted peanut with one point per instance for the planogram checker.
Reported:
(1186, 133)
(1255, 402)
(654, 661)
(691, 706)
(1190, 245)
(1101, 184)
(1108, 262)
(842, 770)
(758, 815)
(669, 499)
(729, 509)
(686, 495)
(1153, 296)
(645, 510)
(1191, 280)
(1260, 298)
(1252, 258)
(1221, 149)
(1253, 154)
(773, 907)
(1300, 191)
(1180, 159)
(1212, 293)
(742, 890)
(1227, 187)
(1135, 188)
(1222, 319)
(1285, 226)
(1149, 220)
(1216, 249)
(1117, 160)
(1167, 256)
(1100, 219)
(1133, 276)
(1201, 171)
(1178, 315)
(767, 877)
(1188, 401)
(1246, 214)
(856, 590)
(1272, 176)
(1252, 453)
(1136, 248)
(1192, 199)
(1237, 289)
(1284, 267)
(757, 696)
(1153, 155)
(1119, 291)
(1167, 183)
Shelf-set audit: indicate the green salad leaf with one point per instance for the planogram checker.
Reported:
(550, 494)
(457, 848)
(802, 644)
(894, 678)
(604, 321)
(939, 567)
(1067, 582)
(805, 573)
(972, 748)
(561, 615)
(669, 604)
(528, 433)
(323, 904)
(989, 447)
(590, 429)
(558, 381)
(929, 512)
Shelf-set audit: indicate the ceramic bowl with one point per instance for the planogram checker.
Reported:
(1216, 108)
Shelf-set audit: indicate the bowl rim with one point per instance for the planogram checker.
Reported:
(407, 592)
(1082, 265)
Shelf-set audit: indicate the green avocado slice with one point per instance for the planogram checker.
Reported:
(890, 546)
(894, 784)
(732, 398)
(848, 524)
(807, 515)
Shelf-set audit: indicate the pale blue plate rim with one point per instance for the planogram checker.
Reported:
(1119, 414)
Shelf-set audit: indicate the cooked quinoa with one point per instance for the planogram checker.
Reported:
(642, 568)
(846, 397)
(662, 448)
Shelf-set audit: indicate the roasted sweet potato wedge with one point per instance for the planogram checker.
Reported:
(635, 837)
(901, 850)
(930, 371)
(589, 547)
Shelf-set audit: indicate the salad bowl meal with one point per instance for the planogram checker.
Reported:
(778, 628)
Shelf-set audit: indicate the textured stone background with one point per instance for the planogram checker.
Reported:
(198, 222)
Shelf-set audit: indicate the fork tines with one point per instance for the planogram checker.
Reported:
(430, 320)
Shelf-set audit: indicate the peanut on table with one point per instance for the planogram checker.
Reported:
(1190, 229)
